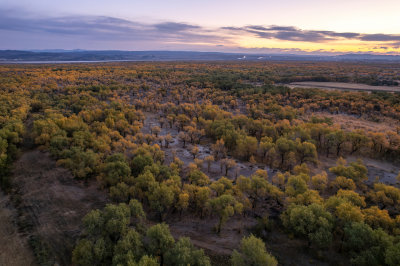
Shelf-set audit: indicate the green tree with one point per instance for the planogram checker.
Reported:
(139, 163)
(198, 178)
(115, 169)
(358, 140)
(312, 222)
(184, 253)
(160, 240)
(82, 163)
(335, 140)
(83, 253)
(136, 208)
(147, 261)
(144, 184)
(307, 152)
(222, 186)
(161, 198)
(103, 230)
(246, 146)
(365, 245)
(392, 255)
(120, 192)
(355, 170)
(128, 248)
(295, 186)
(284, 146)
(252, 252)
(225, 206)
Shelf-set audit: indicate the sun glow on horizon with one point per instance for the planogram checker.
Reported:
(334, 46)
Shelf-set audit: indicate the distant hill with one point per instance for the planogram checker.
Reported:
(115, 55)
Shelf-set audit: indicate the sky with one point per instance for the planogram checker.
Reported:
(252, 26)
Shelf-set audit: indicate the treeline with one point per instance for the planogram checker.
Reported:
(372, 106)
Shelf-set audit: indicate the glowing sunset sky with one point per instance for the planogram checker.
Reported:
(285, 26)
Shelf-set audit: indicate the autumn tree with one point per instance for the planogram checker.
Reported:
(358, 140)
(320, 181)
(355, 170)
(228, 164)
(246, 147)
(155, 130)
(168, 139)
(194, 151)
(219, 149)
(209, 159)
(225, 206)
(307, 152)
(183, 137)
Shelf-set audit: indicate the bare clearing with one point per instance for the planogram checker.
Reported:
(14, 248)
(342, 86)
(51, 205)
(349, 122)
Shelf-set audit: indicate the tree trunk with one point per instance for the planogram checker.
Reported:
(219, 225)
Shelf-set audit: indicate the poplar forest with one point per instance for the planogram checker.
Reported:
(199, 163)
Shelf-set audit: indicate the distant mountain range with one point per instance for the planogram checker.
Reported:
(58, 55)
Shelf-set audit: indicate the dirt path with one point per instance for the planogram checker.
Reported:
(51, 204)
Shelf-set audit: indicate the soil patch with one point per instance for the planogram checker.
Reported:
(14, 247)
(51, 205)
